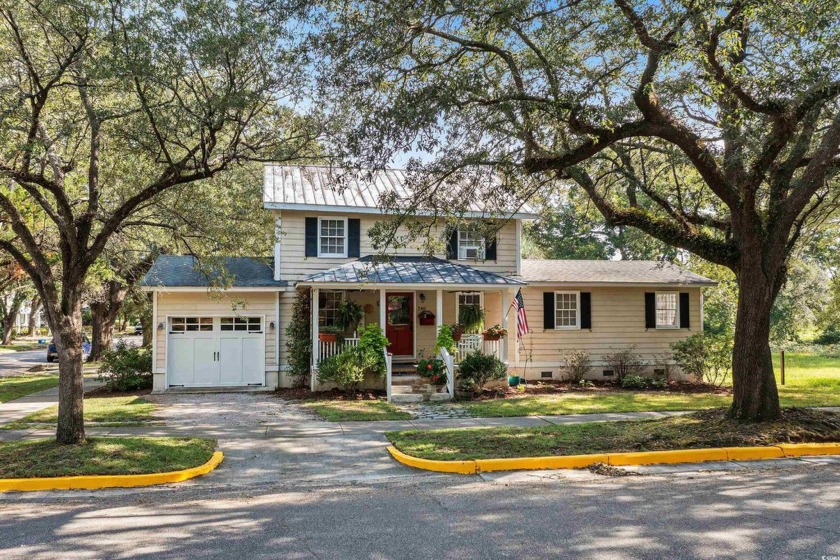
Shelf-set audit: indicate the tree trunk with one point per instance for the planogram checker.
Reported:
(103, 318)
(34, 308)
(10, 318)
(756, 397)
(68, 343)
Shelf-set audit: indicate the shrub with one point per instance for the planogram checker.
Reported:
(348, 315)
(372, 343)
(665, 363)
(707, 357)
(445, 339)
(299, 339)
(126, 368)
(624, 362)
(640, 382)
(575, 365)
(829, 335)
(481, 368)
(433, 370)
(343, 369)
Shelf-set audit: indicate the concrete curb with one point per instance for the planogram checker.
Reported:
(784, 450)
(96, 482)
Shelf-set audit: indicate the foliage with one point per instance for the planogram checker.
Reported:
(346, 370)
(348, 315)
(372, 344)
(433, 370)
(575, 365)
(665, 364)
(471, 317)
(299, 339)
(481, 368)
(466, 385)
(642, 382)
(624, 361)
(445, 339)
(126, 368)
(705, 357)
(829, 335)
(496, 331)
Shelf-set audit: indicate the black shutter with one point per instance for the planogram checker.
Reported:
(490, 249)
(311, 249)
(685, 311)
(548, 310)
(452, 249)
(354, 232)
(585, 310)
(650, 310)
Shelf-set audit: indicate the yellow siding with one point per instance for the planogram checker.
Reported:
(171, 304)
(618, 320)
(295, 265)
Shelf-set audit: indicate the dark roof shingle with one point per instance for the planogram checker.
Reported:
(609, 272)
(175, 271)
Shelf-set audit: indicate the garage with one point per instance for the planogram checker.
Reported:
(227, 351)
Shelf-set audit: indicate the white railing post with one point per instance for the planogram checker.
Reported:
(449, 364)
(387, 374)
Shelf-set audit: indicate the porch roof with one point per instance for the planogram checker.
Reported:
(409, 270)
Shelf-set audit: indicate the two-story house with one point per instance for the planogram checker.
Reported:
(236, 337)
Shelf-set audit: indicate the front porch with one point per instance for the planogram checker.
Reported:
(410, 299)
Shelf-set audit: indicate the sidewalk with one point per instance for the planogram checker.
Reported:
(18, 408)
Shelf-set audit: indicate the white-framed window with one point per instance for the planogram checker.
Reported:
(246, 324)
(470, 245)
(667, 310)
(190, 324)
(332, 237)
(328, 302)
(566, 310)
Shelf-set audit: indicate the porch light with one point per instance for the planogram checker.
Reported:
(422, 297)
(160, 326)
(271, 325)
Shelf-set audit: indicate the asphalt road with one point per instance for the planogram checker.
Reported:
(755, 514)
(15, 363)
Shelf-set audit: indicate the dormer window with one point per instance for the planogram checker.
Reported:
(332, 237)
(470, 245)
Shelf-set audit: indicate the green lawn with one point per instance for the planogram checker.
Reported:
(102, 456)
(111, 411)
(356, 411)
(699, 430)
(22, 346)
(12, 388)
(810, 381)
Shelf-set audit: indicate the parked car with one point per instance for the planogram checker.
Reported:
(138, 329)
(52, 353)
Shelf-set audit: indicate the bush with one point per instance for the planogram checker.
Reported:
(575, 364)
(350, 368)
(640, 382)
(433, 370)
(299, 339)
(445, 339)
(707, 357)
(624, 362)
(829, 335)
(481, 368)
(373, 343)
(126, 368)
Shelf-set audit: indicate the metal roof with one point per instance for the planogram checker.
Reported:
(174, 271)
(609, 272)
(408, 270)
(287, 187)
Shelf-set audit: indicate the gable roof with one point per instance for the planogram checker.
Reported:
(175, 271)
(409, 270)
(609, 272)
(333, 189)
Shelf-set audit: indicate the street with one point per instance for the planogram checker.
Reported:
(17, 363)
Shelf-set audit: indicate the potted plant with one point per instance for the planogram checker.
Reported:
(433, 370)
(348, 315)
(495, 333)
(471, 317)
(514, 380)
(457, 331)
(329, 333)
(466, 389)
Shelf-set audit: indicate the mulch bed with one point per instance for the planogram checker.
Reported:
(304, 394)
(103, 393)
(561, 387)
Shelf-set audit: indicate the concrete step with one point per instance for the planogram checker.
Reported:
(412, 379)
(440, 397)
(406, 398)
(401, 389)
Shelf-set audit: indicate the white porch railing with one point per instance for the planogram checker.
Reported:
(388, 358)
(449, 364)
(471, 342)
(327, 349)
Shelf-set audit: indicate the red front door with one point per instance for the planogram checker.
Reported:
(399, 325)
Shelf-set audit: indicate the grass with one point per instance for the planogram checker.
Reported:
(22, 347)
(102, 456)
(12, 388)
(355, 411)
(695, 431)
(810, 380)
(111, 411)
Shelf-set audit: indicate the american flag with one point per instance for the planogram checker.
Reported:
(521, 317)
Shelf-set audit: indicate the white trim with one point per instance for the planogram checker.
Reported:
(576, 326)
(702, 310)
(155, 368)
(676, 311)
(346, 237)
(518, 247)
(278, 234)
(382, 212)
(277, 332)
(480, 246)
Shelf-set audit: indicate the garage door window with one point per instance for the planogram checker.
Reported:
(191, 324)
(245, 324)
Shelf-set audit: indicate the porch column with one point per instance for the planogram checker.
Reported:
(383, 309)
(438, 310)
(505, 313)
(314, 308)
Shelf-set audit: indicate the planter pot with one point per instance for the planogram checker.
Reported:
(514, 380)
(464, 395)
(492, 337)
(327, 337)
(456, 336)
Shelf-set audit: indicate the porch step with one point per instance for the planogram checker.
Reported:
(407, 397)
(408, 379)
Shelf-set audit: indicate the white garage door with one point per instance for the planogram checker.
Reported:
(216, 351)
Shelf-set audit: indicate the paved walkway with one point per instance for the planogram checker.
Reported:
(18, 408)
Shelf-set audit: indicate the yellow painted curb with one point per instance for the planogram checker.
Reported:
(619, 459)
(96, 482)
